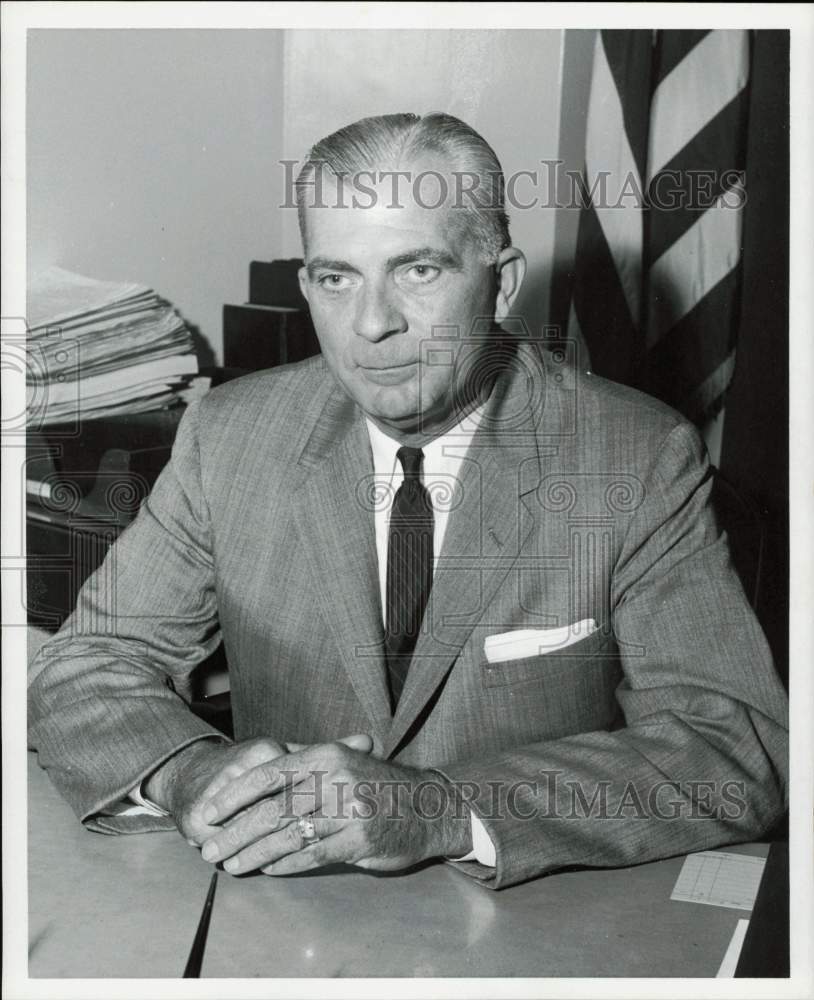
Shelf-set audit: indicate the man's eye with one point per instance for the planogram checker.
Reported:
(422, 274)
(334, 282)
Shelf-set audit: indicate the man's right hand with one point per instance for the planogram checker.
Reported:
(186, 782)
(188, 779)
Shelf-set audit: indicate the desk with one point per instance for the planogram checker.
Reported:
(129, 906)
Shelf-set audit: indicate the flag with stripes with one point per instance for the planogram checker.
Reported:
(657, 266)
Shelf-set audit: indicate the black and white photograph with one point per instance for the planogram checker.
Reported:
(407, 479)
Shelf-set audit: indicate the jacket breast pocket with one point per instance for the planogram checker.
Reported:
(596, 651)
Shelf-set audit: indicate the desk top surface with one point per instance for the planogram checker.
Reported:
(129, 906)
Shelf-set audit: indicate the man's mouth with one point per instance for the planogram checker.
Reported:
(387, 368)
(390, 374)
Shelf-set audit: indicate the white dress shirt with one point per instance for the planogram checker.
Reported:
(440, 468)
(442, 463)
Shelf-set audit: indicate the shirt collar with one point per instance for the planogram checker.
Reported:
(442, 454)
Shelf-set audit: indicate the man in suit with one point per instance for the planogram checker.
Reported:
(474, 601)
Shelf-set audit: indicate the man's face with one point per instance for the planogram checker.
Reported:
(378, 280)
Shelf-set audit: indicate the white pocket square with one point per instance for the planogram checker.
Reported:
(535, 641)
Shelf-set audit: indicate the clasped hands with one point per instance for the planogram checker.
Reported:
(240, 804)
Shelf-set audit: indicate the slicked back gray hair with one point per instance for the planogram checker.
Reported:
(385, 142)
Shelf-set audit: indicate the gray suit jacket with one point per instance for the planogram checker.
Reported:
(662, 733)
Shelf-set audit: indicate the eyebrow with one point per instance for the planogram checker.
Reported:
(443, 258)
(328, 264)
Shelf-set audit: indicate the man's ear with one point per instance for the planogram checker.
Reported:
(302, 274)
(511, 269)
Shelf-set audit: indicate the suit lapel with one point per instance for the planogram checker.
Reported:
(487, 529)
(489, 524)
(337, 533)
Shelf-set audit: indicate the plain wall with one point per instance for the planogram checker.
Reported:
(155, 155)
(152, 156)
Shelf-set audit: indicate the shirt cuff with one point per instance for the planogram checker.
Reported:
(143, 806)
(483, 850)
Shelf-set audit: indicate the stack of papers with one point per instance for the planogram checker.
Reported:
(98, 348)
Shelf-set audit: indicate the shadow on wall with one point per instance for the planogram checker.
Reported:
(532, 298)
(203, 349)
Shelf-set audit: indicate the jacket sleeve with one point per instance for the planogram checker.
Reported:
(102, 709)
(702, 757)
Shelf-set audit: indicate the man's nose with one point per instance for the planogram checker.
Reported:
(377, 315)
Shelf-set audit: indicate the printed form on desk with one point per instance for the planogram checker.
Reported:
(719, 878)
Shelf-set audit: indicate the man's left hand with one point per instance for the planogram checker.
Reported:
(366, 812)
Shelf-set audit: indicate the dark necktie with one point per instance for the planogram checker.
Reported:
(409, 569)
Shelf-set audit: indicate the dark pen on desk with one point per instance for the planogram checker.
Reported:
(192, 969)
